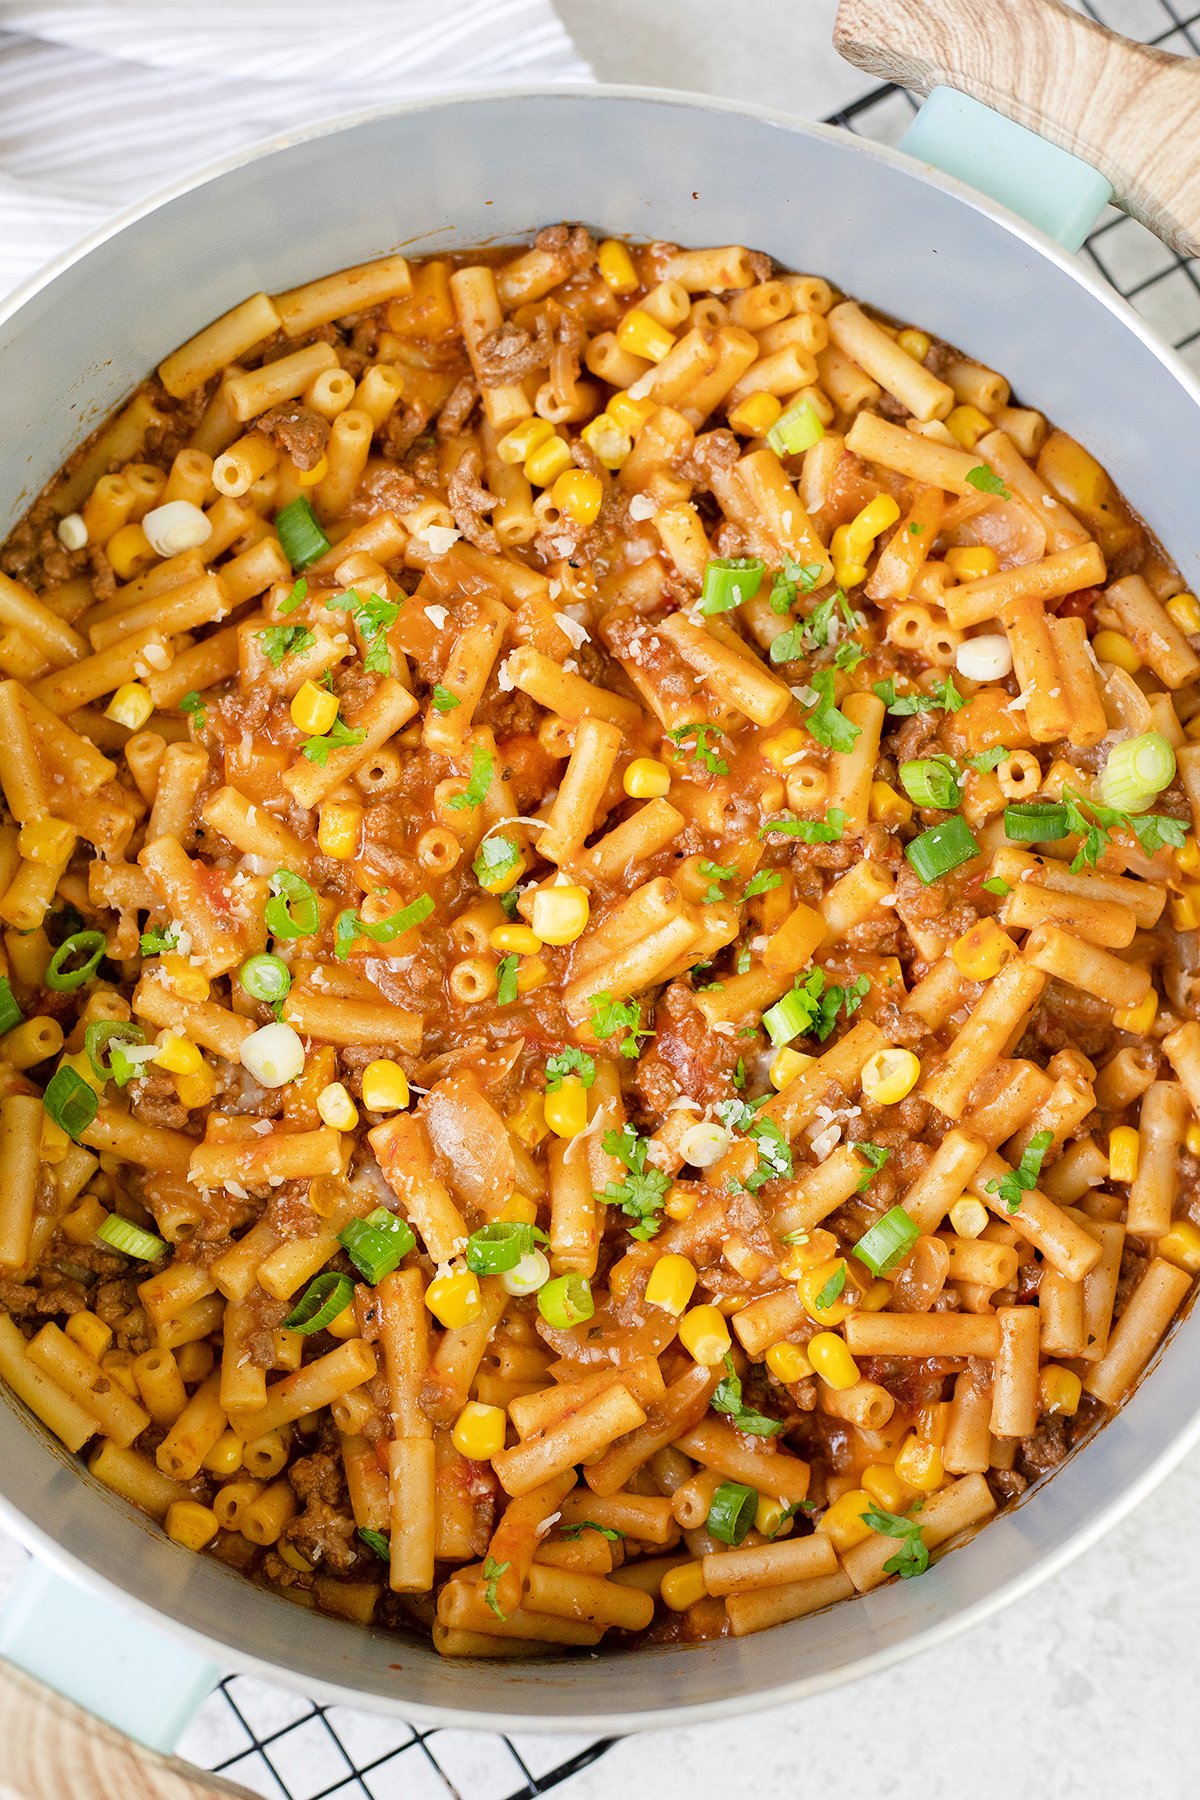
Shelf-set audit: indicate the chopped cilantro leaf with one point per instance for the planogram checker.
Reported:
(762, 883)
(987, 481)
(572, 1532)
(338, 737)
(791, 577)
(912, 1558)
(296, 598)
(699, 751)
(810, 831)
(192, 703)
(1151, 830)
(829, 726)
(643, 1190)
(570, 1060)
(728, 1399)
(849, 654)
(481, 780)
(496, 858)
(506, 980)
(492, 1571)
(279, 641)
(443, 699)
(833, 1287)
(610, 1016)
(997, 886)
(157, 943)
(1012, 1185)
(987, 760)
(876, 1157)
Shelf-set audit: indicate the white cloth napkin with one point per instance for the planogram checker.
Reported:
(104, 101)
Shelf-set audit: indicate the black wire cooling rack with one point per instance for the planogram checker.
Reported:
(288, 1748)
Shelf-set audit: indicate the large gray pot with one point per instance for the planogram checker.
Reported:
(464, 172)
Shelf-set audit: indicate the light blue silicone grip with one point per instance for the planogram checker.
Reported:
(1049, 187)
(145, 1684)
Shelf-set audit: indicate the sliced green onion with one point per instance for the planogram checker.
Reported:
(103, 1032)
(10, 1012)
(887, 1243)
(788, 1017)
(1135, 772)
(266, 977)
(566, 1301)
(130, 1239)
(322, 1301)
(728, 580)
(376, 1541)
(300, 536)
(941, 848)
(506, 981)
(495, 1249)
(377, 1244)
(70, 1102)
(797, 429)
(88, 944)
(928, 782)
(292, 911)
(731, 1512)
(1037, 822)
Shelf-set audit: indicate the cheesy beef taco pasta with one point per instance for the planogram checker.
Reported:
(600, 902)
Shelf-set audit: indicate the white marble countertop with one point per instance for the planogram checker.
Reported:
(1083, 1689)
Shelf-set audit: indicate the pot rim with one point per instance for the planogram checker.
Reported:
(597, 1724)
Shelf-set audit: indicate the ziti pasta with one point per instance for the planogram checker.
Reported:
(600, 1023)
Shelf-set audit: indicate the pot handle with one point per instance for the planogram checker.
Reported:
(93, 1700)
(1123, 113)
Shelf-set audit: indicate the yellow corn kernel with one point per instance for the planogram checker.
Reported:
(671, 1285)
(130, 552)
(867, 524)
(196, 1089)
(1112, 647)
(177, 1055)
(1192, 1139)
(182, 979)
(680, 1204)
(310, 477)
(190, 1524)
(91, 1334)
(783, 745)
(968, 1218)
(1123, 1147)
(889, 1075)
(454, 1299)
(982, 951)
(848, 570)
(616, 267)
(817, 1248)
(82, 1065)
(646, 779)
(975, 561)
(887, 806)
(84, 1220)
(523, 439)
(1138, 1018)
(528, 1123)
(578, 494)
(500, 884)
(1185, 611)
(295, 1559)
(914, 343)
(520, 1209)
(1187, 857)
(875, 1298)
(560, 914)
(705, 1335)
(566, 1111)
(683, 1586)
(479, 1431)
(832, 1361)
(131, 705)
(788, 1363)
(1185, 915)
(608, 441)
(544, 465)
(533, 972)
(345, 1324)
(843, 1521)
(1181, 1245)
(886, 1488)
(46, 840)
(521, 938)
(629, 413)
(225, 1457)
(812, 1285)
(1059, 1390)
(919, 1465)
(787, 1065)
(968, 425)
(755, 415)
(314, 709)
(336, 1108)
(641, 335)
(772, 1520)
(337, 832)
(384, 1086)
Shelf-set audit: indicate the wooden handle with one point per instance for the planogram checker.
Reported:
(1130, 111)
(53, 1750)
